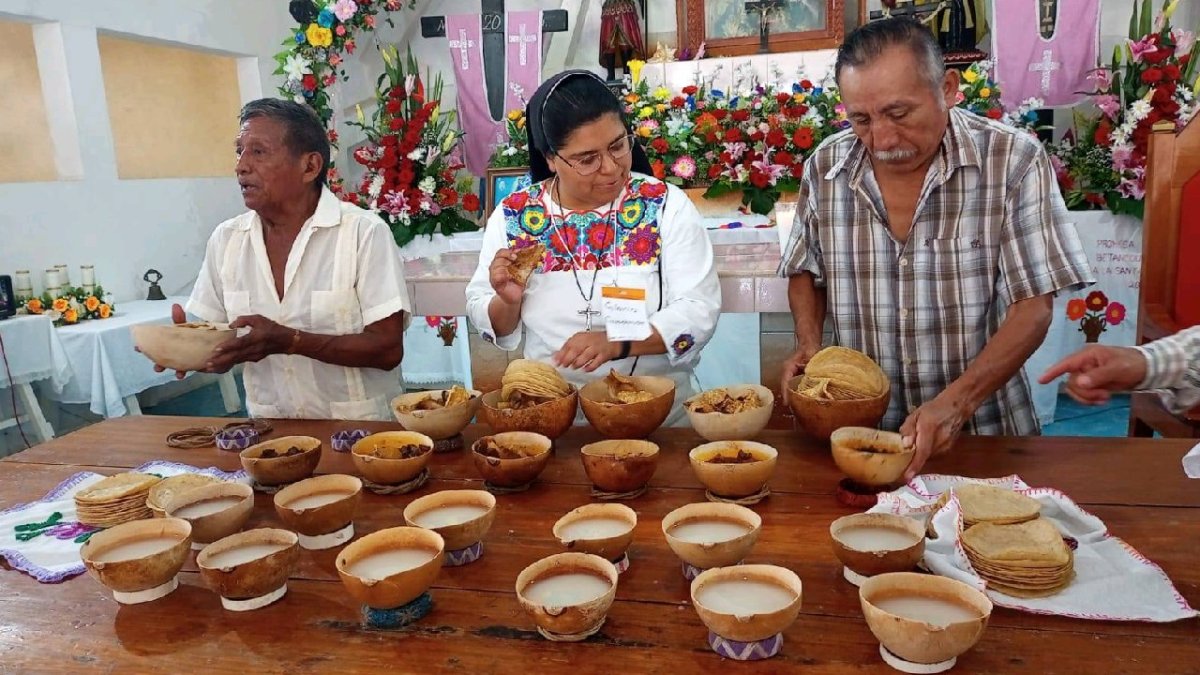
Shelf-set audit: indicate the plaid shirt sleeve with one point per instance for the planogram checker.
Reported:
(1173, 364)
(1040, 248)
(803, 252)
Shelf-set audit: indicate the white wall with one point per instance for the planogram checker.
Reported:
(124, 227)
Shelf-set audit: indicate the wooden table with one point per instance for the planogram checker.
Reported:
(1135, 485)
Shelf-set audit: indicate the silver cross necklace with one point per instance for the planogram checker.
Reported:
(587, 312)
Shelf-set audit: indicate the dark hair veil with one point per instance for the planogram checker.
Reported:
(539, 146)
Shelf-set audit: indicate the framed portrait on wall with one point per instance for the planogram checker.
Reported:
(727, 29)
(500, 183)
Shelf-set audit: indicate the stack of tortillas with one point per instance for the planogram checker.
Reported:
(115, 500)
(534, 380)
(842, 374)
(1010, 546)
(164, 491)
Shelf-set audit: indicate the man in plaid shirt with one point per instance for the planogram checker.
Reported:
(933, 239)
(1171, 365)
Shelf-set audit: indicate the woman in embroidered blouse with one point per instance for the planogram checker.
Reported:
(604, 223)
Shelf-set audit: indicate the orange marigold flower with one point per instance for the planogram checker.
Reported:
(105, 311)
(34, 306)
(70, 316)
(91, 303)
(60, 305)
(1076, 309)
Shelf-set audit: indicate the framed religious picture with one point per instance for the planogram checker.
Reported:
(735, 27)
(500, 183)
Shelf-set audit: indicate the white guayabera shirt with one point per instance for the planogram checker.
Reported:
(344, 273)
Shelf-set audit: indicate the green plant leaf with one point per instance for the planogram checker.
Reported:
(1133, 22)
(1147, 23)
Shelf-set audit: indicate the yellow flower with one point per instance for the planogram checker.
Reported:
(318, 36)
(70, 316)
(985, 92)
(645, 132)
(662, 93)
(105, 311)
(635, 69)
(34, 306)
(515, 114)
(91, 303)
(646, 112)
(60, 305)
(799, 98)
(521, 123)
(661, 107)
(969, 76)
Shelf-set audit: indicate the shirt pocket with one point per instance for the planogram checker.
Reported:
(237, 304)
(957, 272)
(336, 312)
(369, 409)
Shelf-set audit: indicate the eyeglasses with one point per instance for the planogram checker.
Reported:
(591, 162)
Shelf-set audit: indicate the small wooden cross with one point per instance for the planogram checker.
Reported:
(764, 9)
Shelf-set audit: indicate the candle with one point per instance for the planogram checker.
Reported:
(65, 278)
(52, 280)
(23, 285)
(87, 275)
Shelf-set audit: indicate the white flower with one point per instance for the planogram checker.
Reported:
(298, 98)
(376, 186)
(509, 151)
(297, 67)
(1139, 109)
(427, 185)
(416, 154)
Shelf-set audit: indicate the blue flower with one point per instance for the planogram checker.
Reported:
(716, 93)
(325, 18)
(300, 37)
(817, 91)
(796, 88)
(691, 102)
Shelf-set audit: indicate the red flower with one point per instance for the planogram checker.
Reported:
(784, 158)
(803, 138)
(798, 169)
(393, 106)
(714, 171)
(396, 124)
(759, 179)
(718, 114)
(690, 90)
(1076, 309)
(390, 139)
(783, 97)
(652, 190)
(1171, 72)
(349, 45)
(660, 169)
(1152, 75)
(1115, 313)
(309, 82)
(516, 201)
(433, 321)
(470, 202)
(1163, 93)
(733, 135)
(1103, 133)
(711, 137)
(1170, 108)
(756, 136)
(406, 176)
(660, 145)
(447, 197)
(678, 102)
(995, 113)
(806, 84)
(741, 115)
(333, 136)
(1096, 301)
(329, 80)
(1157, 56)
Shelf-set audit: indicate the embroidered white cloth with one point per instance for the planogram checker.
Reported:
(1113, 582)
(43, 538)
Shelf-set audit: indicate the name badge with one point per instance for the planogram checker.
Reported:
(624, 310)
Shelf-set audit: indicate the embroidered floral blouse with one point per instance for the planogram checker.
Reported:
(654, 229)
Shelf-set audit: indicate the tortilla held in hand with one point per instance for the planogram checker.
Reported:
(528, 259)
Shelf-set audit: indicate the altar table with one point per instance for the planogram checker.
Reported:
(1135, 485)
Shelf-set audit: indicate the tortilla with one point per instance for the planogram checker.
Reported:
(989, 504)
(528, 259)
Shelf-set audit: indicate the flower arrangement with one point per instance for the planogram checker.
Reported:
(978, 92)
(72, 306)
(754, 142)
(1151, 79)
(411, 158)
(312, 58)
(1095, 314)
(515, 152)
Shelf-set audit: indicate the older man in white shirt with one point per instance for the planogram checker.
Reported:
(318, 282)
